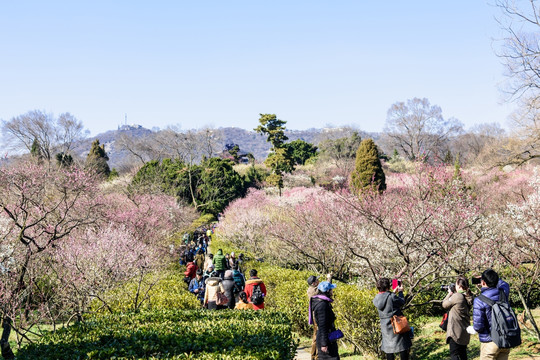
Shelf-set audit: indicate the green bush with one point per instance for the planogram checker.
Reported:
(358, 318)
(203, 220)
(171, 334)
(169, 292)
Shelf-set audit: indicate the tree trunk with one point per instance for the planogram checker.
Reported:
(529, 314)
(4, 342)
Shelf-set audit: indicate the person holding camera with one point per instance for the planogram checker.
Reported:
(458, 303)
(389, 304)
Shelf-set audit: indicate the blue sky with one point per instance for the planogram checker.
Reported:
(221, 63)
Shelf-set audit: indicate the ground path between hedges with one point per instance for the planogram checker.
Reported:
(302, 353)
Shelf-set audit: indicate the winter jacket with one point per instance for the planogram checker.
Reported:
(220, 262)
(191, 270)
(482, 311)
(213, 285)
(239, 279)
(197, 285)
(208, 262)
(459, 307)
(389, 304)
(230, 289)
(249, 290)
(199, 260)
(324, 316)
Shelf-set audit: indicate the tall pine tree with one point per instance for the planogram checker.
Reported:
(368, 172)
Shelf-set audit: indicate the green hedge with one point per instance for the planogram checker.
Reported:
(168, 292)
(356, 315)
(171, 334)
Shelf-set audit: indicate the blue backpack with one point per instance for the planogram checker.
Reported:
(505, 331)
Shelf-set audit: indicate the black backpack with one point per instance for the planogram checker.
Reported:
(257, 297)
(505, 331)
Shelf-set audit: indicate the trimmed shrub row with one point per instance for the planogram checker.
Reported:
(168, 292)
(171, 334)
(287, 293)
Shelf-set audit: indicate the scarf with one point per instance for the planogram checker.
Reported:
(322, 297)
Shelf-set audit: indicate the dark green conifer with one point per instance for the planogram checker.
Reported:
(97, 159)
(368, 171)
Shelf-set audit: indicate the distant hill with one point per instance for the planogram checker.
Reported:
(248, 140)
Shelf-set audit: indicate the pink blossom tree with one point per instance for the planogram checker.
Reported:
(516, 246)
(423, 229)
(40, 206)
(96, 261)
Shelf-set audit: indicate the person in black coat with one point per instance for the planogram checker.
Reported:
(324, 317)
(230, 289)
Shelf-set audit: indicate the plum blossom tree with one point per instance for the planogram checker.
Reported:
(41, 207)
(96, 261)
(422, 229)
(518, 246)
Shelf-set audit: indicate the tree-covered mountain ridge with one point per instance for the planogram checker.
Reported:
(248, 140)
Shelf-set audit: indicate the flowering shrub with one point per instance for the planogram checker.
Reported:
(424, 228)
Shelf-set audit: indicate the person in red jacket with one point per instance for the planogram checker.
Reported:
(255, 290)
(191, 272)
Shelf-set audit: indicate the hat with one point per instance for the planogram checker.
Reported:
(211, 266)
(325, 286)
(312, 279)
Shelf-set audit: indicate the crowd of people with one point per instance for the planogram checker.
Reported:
(218, 282)
(497, 333)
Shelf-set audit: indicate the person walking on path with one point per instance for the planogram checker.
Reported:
(238, 278)
(389, 304)
(209, 260)
(213, 286)
(220, 263)
(313, 283)
(196, 286)
(323, 315)
(255, 290)
(199, 259)
(230, 288)
(458, 304)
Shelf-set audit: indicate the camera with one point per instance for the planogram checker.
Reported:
(476, 280)
(452, 287)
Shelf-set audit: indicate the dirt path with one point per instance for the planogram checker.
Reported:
(302, 353)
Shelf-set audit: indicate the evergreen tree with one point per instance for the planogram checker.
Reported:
(35, 151)
(97, 159)
(368, 171)
(64, 160)
(280, 159)
(273, 128)
(301, 151)
(457, 168)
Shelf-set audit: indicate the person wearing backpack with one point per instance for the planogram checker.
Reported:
(255, 290)
(493, 319)
(238, 278)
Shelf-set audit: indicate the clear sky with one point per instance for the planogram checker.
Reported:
(221, 63)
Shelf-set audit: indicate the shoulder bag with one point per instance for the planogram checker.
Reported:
(400, 325)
